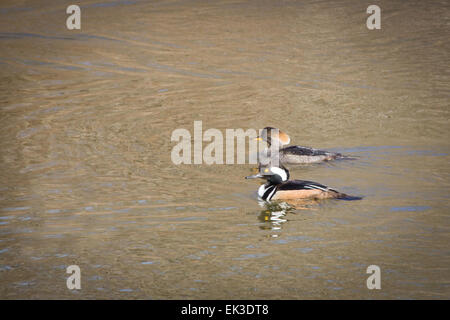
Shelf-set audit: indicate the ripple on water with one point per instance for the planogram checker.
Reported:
(5, 268)
(16, 209)
(410, 208)
(252, 256)
(53, 211)
(25, 283)
(109, 4)
(295, 239)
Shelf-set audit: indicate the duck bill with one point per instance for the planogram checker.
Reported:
(258, 175)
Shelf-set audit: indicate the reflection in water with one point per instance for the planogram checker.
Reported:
(275, 212)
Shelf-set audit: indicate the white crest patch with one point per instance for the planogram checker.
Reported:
(279, 172)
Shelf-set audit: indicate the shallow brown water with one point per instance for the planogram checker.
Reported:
(87, 179)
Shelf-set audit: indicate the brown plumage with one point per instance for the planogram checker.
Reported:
(290, 155)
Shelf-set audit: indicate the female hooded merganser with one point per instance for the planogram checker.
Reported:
(292, 154)
(279, 187)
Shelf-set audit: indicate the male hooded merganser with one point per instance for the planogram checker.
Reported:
(279, 187)
(292, 154)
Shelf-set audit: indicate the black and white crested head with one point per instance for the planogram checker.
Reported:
(273, 175)
(281, 172)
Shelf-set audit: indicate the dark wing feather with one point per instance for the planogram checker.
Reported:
(302, 185)
(306, 151)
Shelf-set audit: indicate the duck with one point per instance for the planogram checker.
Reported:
(290, 155)
(279, 187)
